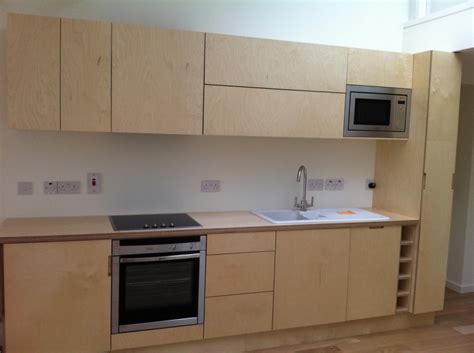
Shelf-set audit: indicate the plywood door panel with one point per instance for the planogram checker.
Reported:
(85, 75)
(238, 314)
(237, 111)
(379, 68)
(240, 242)
(252, 62)
(57, 297)
(239, 273)
(311, 276)
(438, 194)
(373, 272)
(399, 166)
(33, 72)
(131, 340)
(158, 77)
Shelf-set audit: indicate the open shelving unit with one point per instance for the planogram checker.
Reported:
(406, 270)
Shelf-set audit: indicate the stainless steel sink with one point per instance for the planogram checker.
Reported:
(328, 215)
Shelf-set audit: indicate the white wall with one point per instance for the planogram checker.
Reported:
(145, 173)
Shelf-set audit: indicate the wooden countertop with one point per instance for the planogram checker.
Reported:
(28, 230)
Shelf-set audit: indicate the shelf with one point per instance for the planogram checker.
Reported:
(403, 294)
(405, 259)
(407, 242)
(402, 309)
(404, 276)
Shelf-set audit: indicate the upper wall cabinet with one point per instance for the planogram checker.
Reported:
(85, 75)
(238, 111)
(379, 68)
(249, 62)
(157, 80)
(33, 72)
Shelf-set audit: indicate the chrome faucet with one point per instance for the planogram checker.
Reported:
(303, 204)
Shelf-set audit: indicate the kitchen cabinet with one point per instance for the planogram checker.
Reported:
(238, 111)
(240, 242)
(57, 297)
(439, 168)
(158, 77)
(379, 68)
(33, 58)
(373, 272)
(239, 273)
(86, 75)
(267, 63)
(311, 274)
(238, 314)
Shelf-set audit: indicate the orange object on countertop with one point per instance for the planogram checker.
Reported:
(346, 212)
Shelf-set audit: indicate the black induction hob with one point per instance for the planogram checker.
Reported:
(152, 221)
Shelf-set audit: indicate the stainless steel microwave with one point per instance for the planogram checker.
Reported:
(377, 112)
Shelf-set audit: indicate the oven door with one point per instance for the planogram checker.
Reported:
(157, 291)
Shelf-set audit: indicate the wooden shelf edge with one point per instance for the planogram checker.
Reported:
(402, 309)
(405, 259)
(403, 294)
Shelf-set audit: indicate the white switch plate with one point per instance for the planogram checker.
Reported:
(334, 184)
(50, 187)
(94, 183)
(210, 186)
(25, 188)
(69, 187)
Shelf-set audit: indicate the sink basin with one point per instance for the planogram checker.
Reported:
(327, 215)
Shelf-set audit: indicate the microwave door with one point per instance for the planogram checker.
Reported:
(371, 112)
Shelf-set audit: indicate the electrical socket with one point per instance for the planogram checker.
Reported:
(339, 184)
(25, 188)
(315, 184)
(50, 187)
(69, 187)
(210, 186)
(334, 184)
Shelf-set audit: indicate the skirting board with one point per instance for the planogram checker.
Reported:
(460, 288)
(246, 343)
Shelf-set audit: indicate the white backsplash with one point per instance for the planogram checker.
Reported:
(158, 173)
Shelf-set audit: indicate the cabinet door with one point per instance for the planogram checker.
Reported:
(379, 68)
(252, 62)
(33, 72)
(311, 277)
(237, 111)
(373, 272)
(158, 78)
(85, 75)
(57, 297)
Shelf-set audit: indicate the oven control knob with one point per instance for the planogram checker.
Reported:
(155, 225)
(174, 247)
(146, 226)
(191, 246)
(172, 225)
(163, 225)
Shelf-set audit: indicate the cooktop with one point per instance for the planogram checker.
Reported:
(153, 221)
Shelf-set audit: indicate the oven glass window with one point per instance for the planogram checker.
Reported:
(372, 112)
(158, 291)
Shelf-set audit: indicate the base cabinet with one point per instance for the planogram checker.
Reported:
(57, 297)
(311, 277)
(373, 272)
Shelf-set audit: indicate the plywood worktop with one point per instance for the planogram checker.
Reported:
(25, 230)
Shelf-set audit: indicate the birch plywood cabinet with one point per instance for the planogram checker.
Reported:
(379, 68)
(158, 78)
(252, 62)
(85, 75)
(311, 273)
(57, 297)
(238, 111)
(373, 272)
(33, 84)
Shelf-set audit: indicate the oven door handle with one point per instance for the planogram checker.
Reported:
(125, 260)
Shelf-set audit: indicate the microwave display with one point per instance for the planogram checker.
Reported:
(372, 112)
(379, 112)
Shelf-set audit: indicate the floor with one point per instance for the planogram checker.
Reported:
(452, 333)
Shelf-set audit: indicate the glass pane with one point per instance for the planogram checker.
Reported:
(374, 112)
(437, 5)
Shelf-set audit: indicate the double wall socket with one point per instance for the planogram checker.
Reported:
(210, 186)
(335, 184)
(62, 187)
(315, 184)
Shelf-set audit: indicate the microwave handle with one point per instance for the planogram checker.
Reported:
(159, 258)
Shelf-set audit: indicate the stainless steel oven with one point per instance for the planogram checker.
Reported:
(377, 112)
(157, 283)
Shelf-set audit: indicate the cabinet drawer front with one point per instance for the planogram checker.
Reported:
(379, 68)
(238, 314)
(239, 273)
(275, 64)
(373, 272)
(240, 242)
(236, 111)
